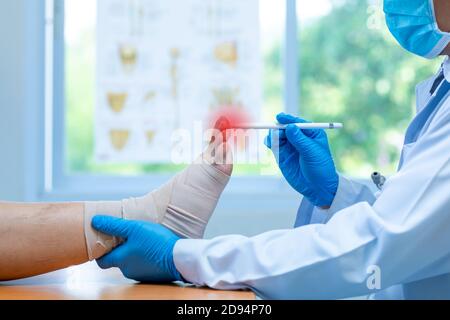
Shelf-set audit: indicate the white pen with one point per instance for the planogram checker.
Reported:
(263, 126)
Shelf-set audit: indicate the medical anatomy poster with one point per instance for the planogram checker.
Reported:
(166, 64)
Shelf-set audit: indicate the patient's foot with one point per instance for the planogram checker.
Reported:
(184, 204)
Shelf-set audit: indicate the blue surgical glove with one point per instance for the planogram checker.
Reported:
(147, 253)
(305, 160)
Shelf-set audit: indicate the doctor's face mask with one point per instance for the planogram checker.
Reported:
(413, 23)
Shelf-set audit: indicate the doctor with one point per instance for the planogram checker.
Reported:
(347, 241)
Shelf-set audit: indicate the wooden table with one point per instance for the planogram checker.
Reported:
(88, 282)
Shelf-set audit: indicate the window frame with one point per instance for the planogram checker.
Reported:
(58, 185)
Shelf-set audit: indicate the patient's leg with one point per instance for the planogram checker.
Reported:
(39, 238)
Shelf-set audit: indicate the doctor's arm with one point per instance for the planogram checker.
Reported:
(404, 234)
(349, 192)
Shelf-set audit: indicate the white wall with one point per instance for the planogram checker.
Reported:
(11, 100)
(21, 94)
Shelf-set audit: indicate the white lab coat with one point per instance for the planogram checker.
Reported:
(403, 235)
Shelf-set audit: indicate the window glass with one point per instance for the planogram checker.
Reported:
(353, 71)
(85, 75)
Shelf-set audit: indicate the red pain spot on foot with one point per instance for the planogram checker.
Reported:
(227, 120)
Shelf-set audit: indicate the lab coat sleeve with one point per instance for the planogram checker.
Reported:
(404, 235)
(349, 192)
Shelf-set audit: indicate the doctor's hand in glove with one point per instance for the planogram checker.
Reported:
(147, 252)
(305, 160)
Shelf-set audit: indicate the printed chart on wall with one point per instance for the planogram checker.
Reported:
(164, 65)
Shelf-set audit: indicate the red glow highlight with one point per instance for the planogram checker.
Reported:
(227, 118)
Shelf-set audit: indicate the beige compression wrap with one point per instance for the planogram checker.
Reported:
(184, 205)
